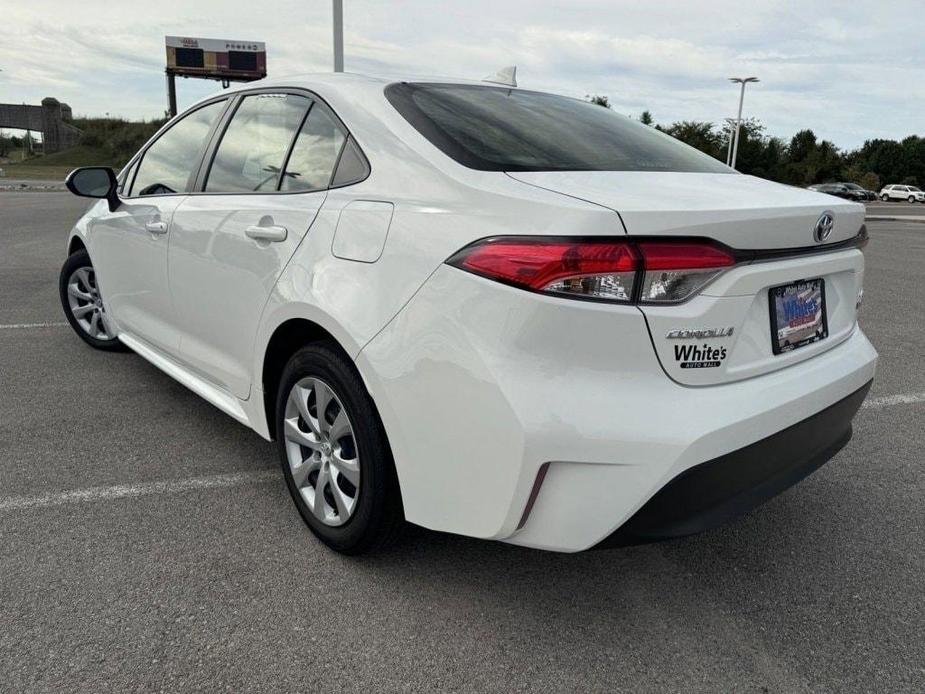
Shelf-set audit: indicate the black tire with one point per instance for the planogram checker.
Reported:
(911, 199)
(377, 517)
(885, 198)
(74, 262)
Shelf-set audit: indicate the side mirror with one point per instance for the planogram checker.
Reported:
(94, 182)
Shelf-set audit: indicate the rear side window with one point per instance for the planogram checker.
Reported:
(168, 164)
(352, 166)
(253, 149)
(500, 129)
(315, 153)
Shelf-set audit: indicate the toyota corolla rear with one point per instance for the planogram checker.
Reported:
(680, 347)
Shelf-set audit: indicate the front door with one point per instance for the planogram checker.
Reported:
(128, 247)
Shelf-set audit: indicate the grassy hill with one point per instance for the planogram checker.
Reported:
(104, 142)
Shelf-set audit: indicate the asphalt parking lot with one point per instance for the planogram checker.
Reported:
(148, 543)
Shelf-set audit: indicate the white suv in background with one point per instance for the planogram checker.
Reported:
(484, 310)
(897, 192)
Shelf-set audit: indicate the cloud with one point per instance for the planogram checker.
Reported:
(850, 72)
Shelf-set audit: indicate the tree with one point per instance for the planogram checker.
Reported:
(801, 145)
(646, 118)
(699, 135)
(599, 100)
(870, 181)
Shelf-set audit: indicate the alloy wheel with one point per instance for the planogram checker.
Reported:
(321, 451)
(86, 304)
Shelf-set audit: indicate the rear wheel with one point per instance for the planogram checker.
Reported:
(334, 452)
(83, 304)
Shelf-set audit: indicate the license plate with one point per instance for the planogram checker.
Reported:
(797, 315)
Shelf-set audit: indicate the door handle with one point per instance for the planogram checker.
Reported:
(156, 227)
(267, 233)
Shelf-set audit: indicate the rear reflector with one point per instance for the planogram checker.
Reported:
(605, 269)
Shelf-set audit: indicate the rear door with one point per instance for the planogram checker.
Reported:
(267, 179)
(129, 245)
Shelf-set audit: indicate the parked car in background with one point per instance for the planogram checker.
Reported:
(897, 192)
(839, 190)
(854, 187)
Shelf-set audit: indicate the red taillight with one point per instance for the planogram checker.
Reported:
(601, 269)
(684, 255)
(605, 269)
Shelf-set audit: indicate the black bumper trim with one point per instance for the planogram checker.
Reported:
(712, 493)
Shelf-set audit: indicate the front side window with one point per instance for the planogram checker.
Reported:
(315, 153)
(169, 163)
(125, 180)
(253, 149)
(500, 129)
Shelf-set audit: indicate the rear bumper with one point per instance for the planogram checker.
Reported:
(485, 389)
(712, 493)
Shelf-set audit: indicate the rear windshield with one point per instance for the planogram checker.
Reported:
(500, 129)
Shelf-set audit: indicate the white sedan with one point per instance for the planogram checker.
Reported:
(485, 310)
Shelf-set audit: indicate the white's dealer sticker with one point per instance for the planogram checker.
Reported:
(694, 357)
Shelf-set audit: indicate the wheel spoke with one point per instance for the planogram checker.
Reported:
(340, 427)
(348, 468)
(84, 275)
(293, 433)
(81, 311)
(94, 323)
(300, 474)
(300, 397)
(108, 327)
(318, 506)
(322, 399)
(341, 500)
(74, 290)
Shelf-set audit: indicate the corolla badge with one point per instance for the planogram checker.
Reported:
(824, 226)
(698, 333)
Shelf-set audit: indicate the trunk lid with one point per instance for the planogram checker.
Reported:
(724, 333)
(743, 212)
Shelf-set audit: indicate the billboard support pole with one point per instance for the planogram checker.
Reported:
(338, 35)
(171, 95)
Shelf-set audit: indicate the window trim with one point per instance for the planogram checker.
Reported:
(137, 160)
(210, 151)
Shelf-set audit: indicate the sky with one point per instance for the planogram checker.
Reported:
(850, 70)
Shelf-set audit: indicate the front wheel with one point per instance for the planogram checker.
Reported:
(83, 304)
(911, 199)
(334, 452)
(885, 198)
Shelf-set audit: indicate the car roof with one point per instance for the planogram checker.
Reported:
(352, 82)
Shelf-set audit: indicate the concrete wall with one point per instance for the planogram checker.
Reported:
(50, 119)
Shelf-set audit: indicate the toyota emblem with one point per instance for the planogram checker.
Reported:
(824, 226)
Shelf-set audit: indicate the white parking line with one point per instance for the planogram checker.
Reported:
(123, 491)
(21, 326)
(890, 400)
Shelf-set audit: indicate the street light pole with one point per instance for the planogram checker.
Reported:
(338, 35)
(735, 146)
(730, 122)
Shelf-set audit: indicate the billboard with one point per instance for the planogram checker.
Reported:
(218, 59)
